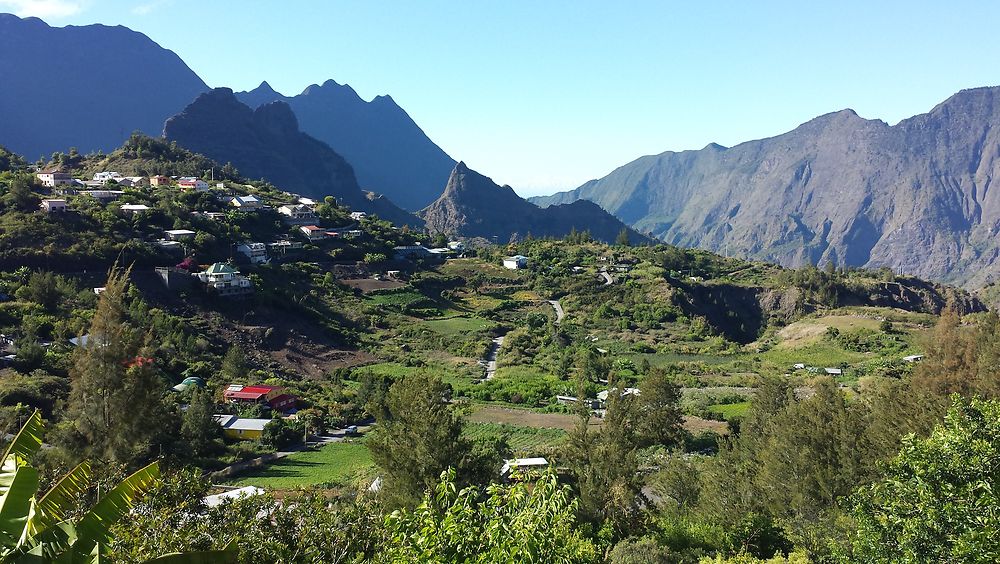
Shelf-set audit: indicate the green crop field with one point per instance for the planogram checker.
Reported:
(730, 410)
(333, 464)
(522, 440)
(458, 325)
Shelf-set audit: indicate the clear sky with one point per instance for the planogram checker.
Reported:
(547, 95)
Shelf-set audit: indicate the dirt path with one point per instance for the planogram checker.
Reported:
(491, 358)
(560, 314)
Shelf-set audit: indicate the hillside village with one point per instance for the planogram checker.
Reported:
(276, 326)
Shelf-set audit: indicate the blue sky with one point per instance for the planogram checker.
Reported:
(547, 95)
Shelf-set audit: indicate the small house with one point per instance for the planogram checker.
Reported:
(103, 196)
(105, 177)
(53, 206)
(241, 429)
(456, 246)
(297, 214)
(313, 233)
(159, 180)
(516, 262)
(913, 358)
(246, 203)
(833, 371)
(256, 252)
(134, 208)
(224, 280)
(272, 397)
(53, 178)
(196, 184)
(358, 215)
(179, 234)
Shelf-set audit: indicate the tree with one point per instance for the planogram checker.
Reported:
(115, 412)
(524, 522)
(418, 437)
(622, 240)
(21, 196)
(658, 413)
(199, 429)
(234, 364)
(951, 364)
(936, 500)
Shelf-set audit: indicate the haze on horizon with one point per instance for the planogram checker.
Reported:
(546, 97)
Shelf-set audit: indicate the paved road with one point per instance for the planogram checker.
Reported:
(560, 314)
(491, 358)
(608, 280)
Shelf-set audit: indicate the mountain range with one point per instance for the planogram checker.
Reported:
(388, 150)
(266, 143)
(917, 196)
(87, 87)
(473, 205)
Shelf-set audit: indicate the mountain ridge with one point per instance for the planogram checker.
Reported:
(266, 143)
(390, 153)
(914, 196)
(101, 112)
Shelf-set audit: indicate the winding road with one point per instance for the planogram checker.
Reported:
(560, 314)
(608, 280)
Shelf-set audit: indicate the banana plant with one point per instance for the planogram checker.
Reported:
(34, 529)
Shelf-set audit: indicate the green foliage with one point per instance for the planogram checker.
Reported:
(518, 523)
(937, 499)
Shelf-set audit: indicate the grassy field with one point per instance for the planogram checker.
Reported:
(522, 440)
(457, 325)
(730, 410)
(809, 331)
(524, 418)
(333, 464)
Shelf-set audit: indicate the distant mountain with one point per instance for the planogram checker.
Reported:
(266, 143)
(87, 87)
(472, 205)
(917, 196)
(389, 152)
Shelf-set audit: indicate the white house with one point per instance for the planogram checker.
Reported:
(358, 216)
(135, 208)
(103, 196)
(516, 262)
(53, 178)
(53, 206)
(313, 233)
(256, 252)
(833, 371)
(246, 203)
(456, 246)
(225, 280)
(179, 234)
(105, 177)
(196, 184)
(913, 358)
(297, 213)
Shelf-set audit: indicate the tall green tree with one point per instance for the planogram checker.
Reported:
(937, 500)
(418, 436)
(622, 240)
(234, 364)
(115, 412)
(200, 431)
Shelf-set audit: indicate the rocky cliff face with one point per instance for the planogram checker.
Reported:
(389, 152)
(472, 205)
(87, 87)
(916, 197)
(266, 143)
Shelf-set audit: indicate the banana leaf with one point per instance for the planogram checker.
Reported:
(60, 501)
(95, 527)
(16, 505)
(21, 449)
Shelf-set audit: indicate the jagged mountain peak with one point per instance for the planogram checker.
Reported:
(473, 205)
